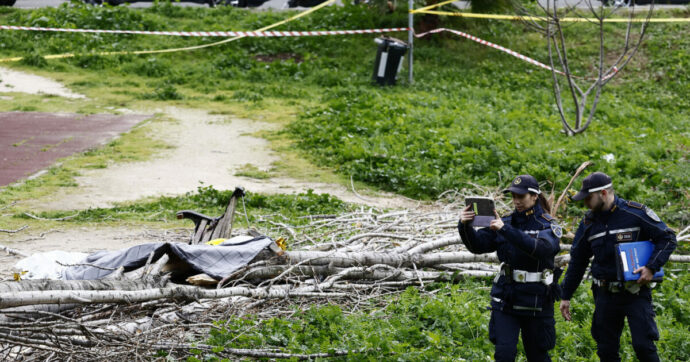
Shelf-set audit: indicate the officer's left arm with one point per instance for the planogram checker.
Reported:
(663, 238)
(545, 245)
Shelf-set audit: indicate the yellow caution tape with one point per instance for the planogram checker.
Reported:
(542, 18)
(420, 10)
(69, 55)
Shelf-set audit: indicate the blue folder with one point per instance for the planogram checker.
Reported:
(634, 255)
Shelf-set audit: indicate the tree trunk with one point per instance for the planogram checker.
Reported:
(363, 273)
(343, 259)
(180, 292)
(41, 285)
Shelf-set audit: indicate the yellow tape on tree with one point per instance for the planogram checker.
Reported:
(69, 55)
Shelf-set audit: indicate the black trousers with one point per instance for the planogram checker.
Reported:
(538, 336)
(610, 310)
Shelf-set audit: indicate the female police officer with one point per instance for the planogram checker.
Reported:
(523, 294)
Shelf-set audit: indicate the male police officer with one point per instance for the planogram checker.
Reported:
(613, 220)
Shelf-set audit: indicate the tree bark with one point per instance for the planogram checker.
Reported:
(344, 259)
(42, 285)
(181, 292)
(363, 273)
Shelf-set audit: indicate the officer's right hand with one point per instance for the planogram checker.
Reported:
(496, 224)
(565, 309)
(466, 215)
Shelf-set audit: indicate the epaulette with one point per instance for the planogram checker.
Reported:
(636, 205)
(548, 217)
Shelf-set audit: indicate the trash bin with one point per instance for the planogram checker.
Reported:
(389, 59)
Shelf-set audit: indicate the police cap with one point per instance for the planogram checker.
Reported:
(523, 184)
(594, 182)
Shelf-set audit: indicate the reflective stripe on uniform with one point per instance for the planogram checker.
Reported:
(611, 232)
(624, 230)
(595, 236)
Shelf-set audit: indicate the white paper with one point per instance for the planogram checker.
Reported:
(625, 261)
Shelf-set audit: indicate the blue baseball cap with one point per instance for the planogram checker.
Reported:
(523, 184)
(594, 182)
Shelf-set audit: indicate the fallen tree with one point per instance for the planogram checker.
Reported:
(350, 259)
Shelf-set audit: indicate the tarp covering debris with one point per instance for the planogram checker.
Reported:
(215, 261)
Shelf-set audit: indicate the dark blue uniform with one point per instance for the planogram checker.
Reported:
(596, 236)
(526, 242)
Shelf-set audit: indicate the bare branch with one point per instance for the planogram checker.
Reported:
(14, 231)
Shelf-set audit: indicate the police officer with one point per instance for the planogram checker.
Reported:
(613, 220)
(522, 295)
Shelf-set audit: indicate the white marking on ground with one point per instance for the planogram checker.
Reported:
(20, 82)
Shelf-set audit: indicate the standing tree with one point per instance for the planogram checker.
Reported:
(585, 92)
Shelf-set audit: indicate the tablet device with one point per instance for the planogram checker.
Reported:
(483, 208)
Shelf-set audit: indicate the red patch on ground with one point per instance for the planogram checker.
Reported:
(30, 142)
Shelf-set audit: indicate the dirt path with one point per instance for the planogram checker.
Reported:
(209, 150)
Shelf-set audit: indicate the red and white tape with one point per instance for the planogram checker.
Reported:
(209, 33)
(265, 34)
(527, 59)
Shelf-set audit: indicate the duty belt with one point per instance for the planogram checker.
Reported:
(617, 287)
(518, 307)
(523, 276)
(613, 287)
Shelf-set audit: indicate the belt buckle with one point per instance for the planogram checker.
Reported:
(520, 277)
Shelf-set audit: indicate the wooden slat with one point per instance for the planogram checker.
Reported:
(224, 226)
(199, 232)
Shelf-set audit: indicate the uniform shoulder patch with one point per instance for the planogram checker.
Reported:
(556, 229)
(652, 215)
(636, 205)
(548, 217)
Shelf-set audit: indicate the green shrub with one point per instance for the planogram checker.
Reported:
(164, 92)
(34, 60)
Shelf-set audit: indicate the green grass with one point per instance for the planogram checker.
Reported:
(451, 324)
(207, 200)
(252, 171)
